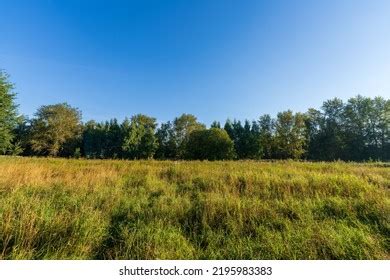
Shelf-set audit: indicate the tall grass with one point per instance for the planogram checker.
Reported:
(79, 209)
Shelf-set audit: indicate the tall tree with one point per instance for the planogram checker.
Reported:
(166, 142)
(93, 140)
(183, 126)
(266, 136)
(245, 138)
(356, 127)
(140, 142)
(229, 129)
(331, 136)
(314, 122)
(8, 113)
(114, 139)
(382, 107)
(254, 150)
(215, 124)
(290, 135)
(56, 130)
(20, 143)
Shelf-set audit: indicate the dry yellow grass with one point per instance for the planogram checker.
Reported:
(91, 209)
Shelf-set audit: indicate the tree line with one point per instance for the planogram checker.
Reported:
(355, 130)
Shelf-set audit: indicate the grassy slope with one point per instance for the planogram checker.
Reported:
(77, 209)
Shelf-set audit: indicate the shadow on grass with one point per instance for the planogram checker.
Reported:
(114, 241)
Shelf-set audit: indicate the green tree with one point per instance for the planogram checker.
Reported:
(356, 127)
(245, 138)
(314, 122)
(106, 139)
(140, 141)
(229, 129)
(331, 138)
(20, 143)
(215, 124)
(365, 127)
(93, 140)
(252, 140)
(8, 114)
(183, 126)
(166, 141)
(382, 107)
(210, 144)
(266, 136)
(56, 130)
(290, 135)
(114, 137)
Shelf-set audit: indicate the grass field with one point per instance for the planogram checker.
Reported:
(91, 209)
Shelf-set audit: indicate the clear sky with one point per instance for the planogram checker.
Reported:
(212, 58)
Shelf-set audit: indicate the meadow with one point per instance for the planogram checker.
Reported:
(112, 209)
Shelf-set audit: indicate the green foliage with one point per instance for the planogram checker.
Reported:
(356, 130)
(211, 144)
(167, 148)
(367, 127)
(93, 209)
(8, 118)
(104, 140)
(215, 124)
(140, 141)
(183, 126)
(173, 136)
(22, 137)
(246, 138)
(290, 135)
(56, 130)
(266, 132)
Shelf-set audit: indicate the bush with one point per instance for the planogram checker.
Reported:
(210, 144)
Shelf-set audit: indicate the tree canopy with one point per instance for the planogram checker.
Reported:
(211, 144)
(56, 130)
(8, 114)
(354, 130)
(140, 141)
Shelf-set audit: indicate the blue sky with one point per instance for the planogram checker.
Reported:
(212, 58)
